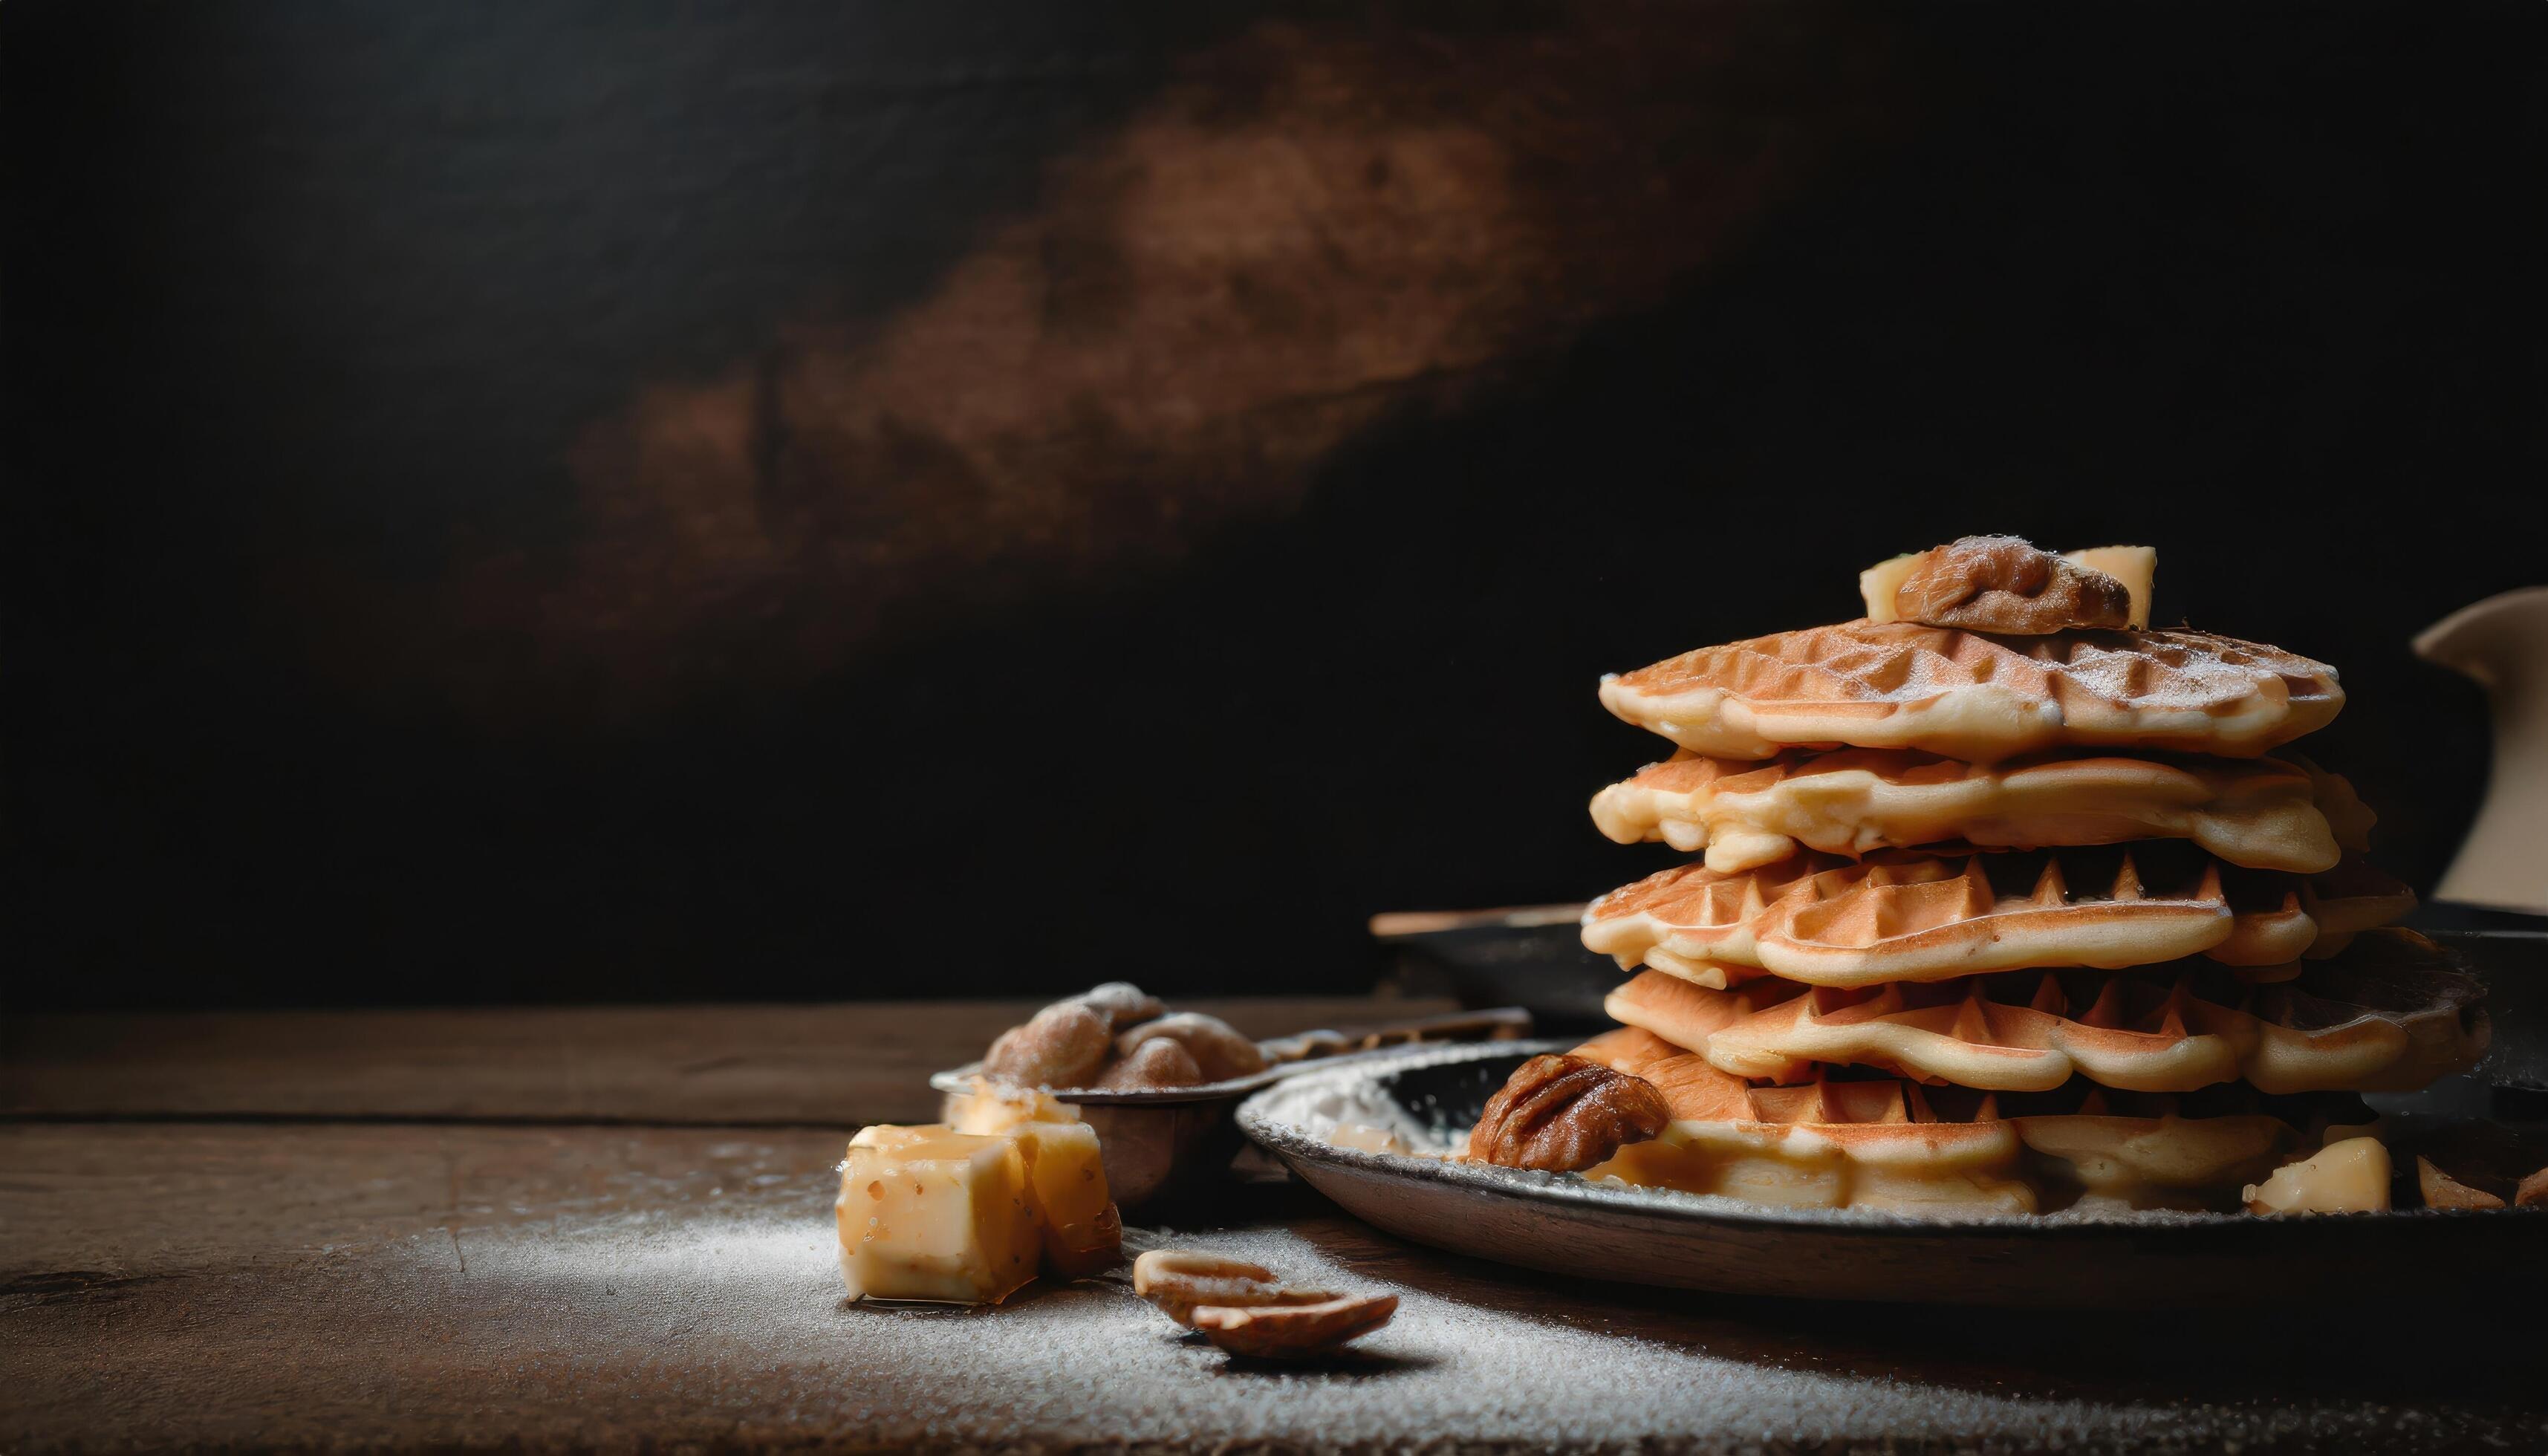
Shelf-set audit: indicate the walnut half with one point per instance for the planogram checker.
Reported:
(1245, 1310)
(2000, 584)
(1562, 1114)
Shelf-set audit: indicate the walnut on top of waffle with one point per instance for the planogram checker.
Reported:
(2001, 583)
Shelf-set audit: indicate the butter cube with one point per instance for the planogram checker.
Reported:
(1066, 1188)
(993, 1107)
(2347, 1177)
(927, 1213)
(1877, 584)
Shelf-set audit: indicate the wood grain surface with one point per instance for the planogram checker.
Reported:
(317, 1283)
(731, 1065)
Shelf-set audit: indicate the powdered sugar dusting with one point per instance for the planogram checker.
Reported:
(681, 1288)
(755, 1310)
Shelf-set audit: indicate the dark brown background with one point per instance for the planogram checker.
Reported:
(570, 501)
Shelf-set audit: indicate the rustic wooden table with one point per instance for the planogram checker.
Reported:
(612, 1228)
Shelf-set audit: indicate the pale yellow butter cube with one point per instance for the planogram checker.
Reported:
(1066, 1186)
(2347, 1177)
(994, 1107)
(1877, 584)
(927, 1213)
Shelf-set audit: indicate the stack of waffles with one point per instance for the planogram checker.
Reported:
(2003, 902)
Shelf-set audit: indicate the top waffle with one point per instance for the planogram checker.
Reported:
(1977, 697)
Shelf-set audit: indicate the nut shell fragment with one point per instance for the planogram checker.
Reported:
(1562, 1114)
(1293, 1331)
(2478, 1165)
(2532, 1192)
(1244, 1308)
(2001, 583)
(2442, 1191)
(1181, 1281)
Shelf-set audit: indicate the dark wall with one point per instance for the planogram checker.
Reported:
(626, 501)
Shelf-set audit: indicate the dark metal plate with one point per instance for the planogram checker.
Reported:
(1573, 1227)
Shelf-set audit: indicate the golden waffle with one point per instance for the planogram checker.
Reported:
(1888, 1143)
(2257, 812)
(2346, 816)
(2389, 1016)
(1898, 916)
(1977, 697)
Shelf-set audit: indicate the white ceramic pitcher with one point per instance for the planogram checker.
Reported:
(2503, 643)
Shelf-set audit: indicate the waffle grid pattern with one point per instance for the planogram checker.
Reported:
(2001, 922)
